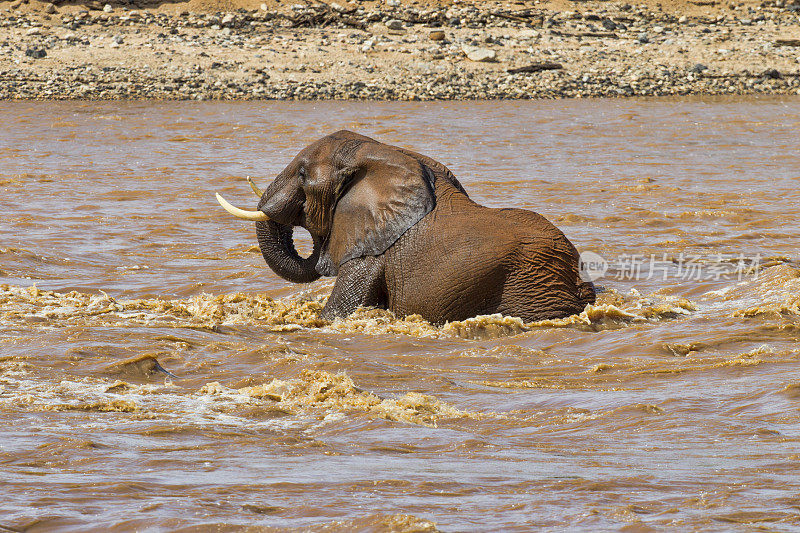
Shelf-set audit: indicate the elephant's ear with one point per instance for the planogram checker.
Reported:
(381, 194)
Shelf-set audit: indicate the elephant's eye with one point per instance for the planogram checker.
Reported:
(302, 175)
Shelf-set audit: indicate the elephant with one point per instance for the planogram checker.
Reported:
(399, 232)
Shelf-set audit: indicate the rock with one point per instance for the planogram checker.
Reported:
(107, 8)
(228, 19)
(698, 68)
(436, 35)
(476, 53)
(609, 24)
(368, 45)
(33, 31)
(394, 24)
(118, 39)
(264, 7)
(36, 53)
(643, 38)
(658, 29)
(683, 19)
(50, 8)
(773, 74)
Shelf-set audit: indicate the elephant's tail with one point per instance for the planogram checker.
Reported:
(586, 292)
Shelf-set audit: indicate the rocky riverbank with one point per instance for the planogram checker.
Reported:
(397, 50)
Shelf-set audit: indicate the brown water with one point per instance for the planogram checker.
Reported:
(674, 402)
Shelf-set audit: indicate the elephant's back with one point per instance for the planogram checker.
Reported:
(523, 223)
(433, 268)
(545, 281)
(479, 260)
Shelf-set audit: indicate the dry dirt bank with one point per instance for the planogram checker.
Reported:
(397, 50)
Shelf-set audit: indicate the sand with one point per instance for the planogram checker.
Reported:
(404, 50)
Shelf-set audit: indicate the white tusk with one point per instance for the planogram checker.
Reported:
(257, 216)
(255, 188)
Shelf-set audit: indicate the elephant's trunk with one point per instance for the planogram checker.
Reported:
(277, 247)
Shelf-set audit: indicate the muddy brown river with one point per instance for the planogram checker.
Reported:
(673, 403)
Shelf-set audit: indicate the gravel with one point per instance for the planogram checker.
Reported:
(397, 52)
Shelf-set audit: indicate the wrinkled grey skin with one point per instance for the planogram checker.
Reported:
(399, 232)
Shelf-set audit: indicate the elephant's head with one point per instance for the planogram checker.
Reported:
(354, 195)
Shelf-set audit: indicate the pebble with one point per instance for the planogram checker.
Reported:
(479, 54)
(107, 8)
(394, 24)
(368, 45)
(36, 53)
(436, 35)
